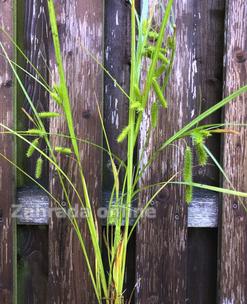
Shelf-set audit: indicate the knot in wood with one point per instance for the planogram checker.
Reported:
(163, 196)
(240, 56)
(8, 83)
(86, 114)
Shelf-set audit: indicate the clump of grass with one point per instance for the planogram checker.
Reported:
(157, 47)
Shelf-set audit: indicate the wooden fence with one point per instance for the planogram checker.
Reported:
(194, 255)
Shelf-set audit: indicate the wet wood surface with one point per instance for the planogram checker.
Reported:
(117, 62)
(195, 85)
(233, 241)
(207, 40)
(7, 181)
(80, 26)
(32, 266)
(161, 242)
(170, 262)
(32, 242)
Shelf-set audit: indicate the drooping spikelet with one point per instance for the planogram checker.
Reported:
(63, 150)
(34, 144)
(198, 138)
(202, 155)
(159, 93)
(154, 115)
(37, 132)
(123, 134)
(39, 166)
(160, 70)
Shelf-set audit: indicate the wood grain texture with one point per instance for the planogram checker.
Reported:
(35, 44)
(7, 181)
(80, 26)
(194, 86)
(32, 257)
(207, 42)
(161, 242)
(32, 37)
(233, 267)
(117, 62)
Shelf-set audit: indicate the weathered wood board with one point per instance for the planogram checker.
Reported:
(32, 265)
(7, 181)
(161, 242)
(81, 29)
(176, 254)
(35, 44)
(117, 62)
(196, 84)
(32, 242)
(233, 236)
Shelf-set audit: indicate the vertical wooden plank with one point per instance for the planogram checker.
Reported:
(32, 267)
(80, 25)
(207, 63)
(32, 37)
(208, 47)
(233, 267)
(7, 181)
(35, 44)
(161, 242)
(117, 62)
(194, 86)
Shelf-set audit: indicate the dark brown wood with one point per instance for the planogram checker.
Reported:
(207, 37)
(233, 267)
(194, 86)
(207, 40)
(202, 266)
(7, 181)
(36, 49)
(117, 62)
(161, 242)
(32, 37)
(80, 26)
(32, 257)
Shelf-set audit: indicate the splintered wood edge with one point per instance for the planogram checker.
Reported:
(32, 208)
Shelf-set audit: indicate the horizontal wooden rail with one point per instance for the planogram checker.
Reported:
(32, 208)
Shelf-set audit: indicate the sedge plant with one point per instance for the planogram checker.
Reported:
(156, 46)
